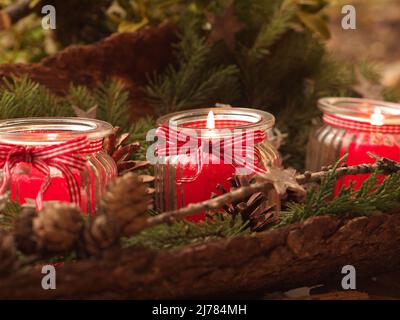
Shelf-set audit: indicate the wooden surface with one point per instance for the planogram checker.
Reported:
(307, 254)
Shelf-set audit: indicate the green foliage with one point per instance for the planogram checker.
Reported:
(197, 81)
(279, 64)
(182, 233)
(271, 32)
(138, 133)
(22, 97)
(9, 211)
(370, 199)
(110, 98)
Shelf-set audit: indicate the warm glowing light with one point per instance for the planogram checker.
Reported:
(377, 119)
(211, 120)
(52, 136)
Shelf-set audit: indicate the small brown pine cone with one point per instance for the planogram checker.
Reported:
(100, 235)
(127, 201)
(57, 228)
(8, 253)
(23, 231)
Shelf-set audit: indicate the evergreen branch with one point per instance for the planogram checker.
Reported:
(182, 233)
(272, 31)
(196, 81)
(369, 199)
(112, 101)
(9, 211)
(328, 178)
(22, 97)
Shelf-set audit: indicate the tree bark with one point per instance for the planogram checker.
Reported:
(129, 57)
(304, 254)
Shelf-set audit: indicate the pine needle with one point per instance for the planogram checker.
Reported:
(196, 81)
(181, 233)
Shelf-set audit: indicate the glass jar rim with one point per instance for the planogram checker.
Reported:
(47, 131)
(255, 119)
(360, 110)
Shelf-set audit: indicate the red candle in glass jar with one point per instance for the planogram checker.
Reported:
(355, 127)
(200, 149)
(55, 159)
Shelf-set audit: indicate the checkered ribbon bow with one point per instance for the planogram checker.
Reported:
(360, 126)
(65, 156)
(242, 147)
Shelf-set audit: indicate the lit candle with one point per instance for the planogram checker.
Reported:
(210, 125)
(355, 127)
(377, 118)
(210, 120)
(55, 159)
(221, 139)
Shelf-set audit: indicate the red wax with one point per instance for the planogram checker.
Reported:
(205, 184)
(215, 156)
(384, 145)
(27, 180)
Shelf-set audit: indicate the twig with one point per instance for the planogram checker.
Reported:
(385, 165)
(212, 204)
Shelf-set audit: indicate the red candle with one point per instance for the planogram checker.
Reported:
(355, 127)
(55, 159)
(200, 149)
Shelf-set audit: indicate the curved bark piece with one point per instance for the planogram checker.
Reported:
(129, 57)
(304, 254)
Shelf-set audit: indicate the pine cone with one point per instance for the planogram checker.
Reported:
(256, 209)
(114, 146)
(57, 228)
(127, 201)
(101, 234)
(8, 254)
(23, 231)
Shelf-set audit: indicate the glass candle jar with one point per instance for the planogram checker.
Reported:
(55, 159)
(200, 149)
(355, 127)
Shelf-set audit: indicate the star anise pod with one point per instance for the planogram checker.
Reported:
(258, 210)
(116, 146)
(225, 27)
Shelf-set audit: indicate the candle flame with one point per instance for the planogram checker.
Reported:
(377, 119)
(52, 136)
(211, 120)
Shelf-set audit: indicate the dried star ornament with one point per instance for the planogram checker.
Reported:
(90, 113)
(224, 27)
(282, 180)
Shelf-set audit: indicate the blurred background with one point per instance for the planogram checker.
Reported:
(86, 21)
(376, 37)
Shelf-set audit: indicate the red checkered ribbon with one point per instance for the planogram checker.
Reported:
(360, 126)
(242, 144)
(64, 156)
